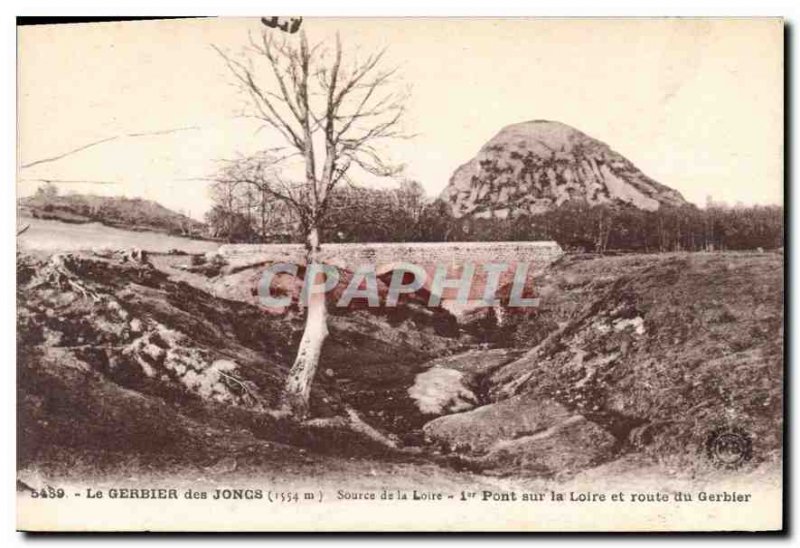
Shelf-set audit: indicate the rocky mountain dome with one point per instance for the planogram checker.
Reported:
(532, 167)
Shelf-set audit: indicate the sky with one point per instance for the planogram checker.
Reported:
(696, 104)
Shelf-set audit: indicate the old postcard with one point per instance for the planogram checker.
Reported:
(286, 273)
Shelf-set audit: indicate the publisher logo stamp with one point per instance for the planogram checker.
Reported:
(729, 447)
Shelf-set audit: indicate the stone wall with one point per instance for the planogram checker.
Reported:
(538, 254)
(386, 257)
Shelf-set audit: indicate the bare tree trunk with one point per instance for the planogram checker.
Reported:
(296, 393)
(263, 215)
(356, 112)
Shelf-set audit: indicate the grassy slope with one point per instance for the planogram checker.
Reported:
(115, 358)
(675, 346)
(710, 352)
(115, 211)
(47, 236)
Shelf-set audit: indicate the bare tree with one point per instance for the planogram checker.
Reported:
(246, 188)
(332, 114)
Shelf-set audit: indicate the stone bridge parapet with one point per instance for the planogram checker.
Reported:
(386, 257)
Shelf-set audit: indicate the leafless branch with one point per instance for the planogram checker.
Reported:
(105, 140)
(310, 93)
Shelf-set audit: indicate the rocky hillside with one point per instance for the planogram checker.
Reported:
(124, 358)
(532, 167)
(630, 357)
(118, 356)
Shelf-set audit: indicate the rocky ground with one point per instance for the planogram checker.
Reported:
(163, 365)
(634, 355)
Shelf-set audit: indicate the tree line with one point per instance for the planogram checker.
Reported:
(403, 214)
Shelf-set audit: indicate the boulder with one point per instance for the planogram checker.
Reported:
(524, 433)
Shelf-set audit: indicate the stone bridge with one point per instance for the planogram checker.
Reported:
(534, 257)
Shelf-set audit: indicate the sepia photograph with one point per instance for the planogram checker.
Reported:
(410, 274)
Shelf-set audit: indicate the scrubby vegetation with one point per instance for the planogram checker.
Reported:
(635, 356)
(169, 369)
(658, 350)
(403, 214)
(114, 211)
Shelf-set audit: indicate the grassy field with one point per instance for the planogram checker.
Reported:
(50, 236)
(116, 211)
